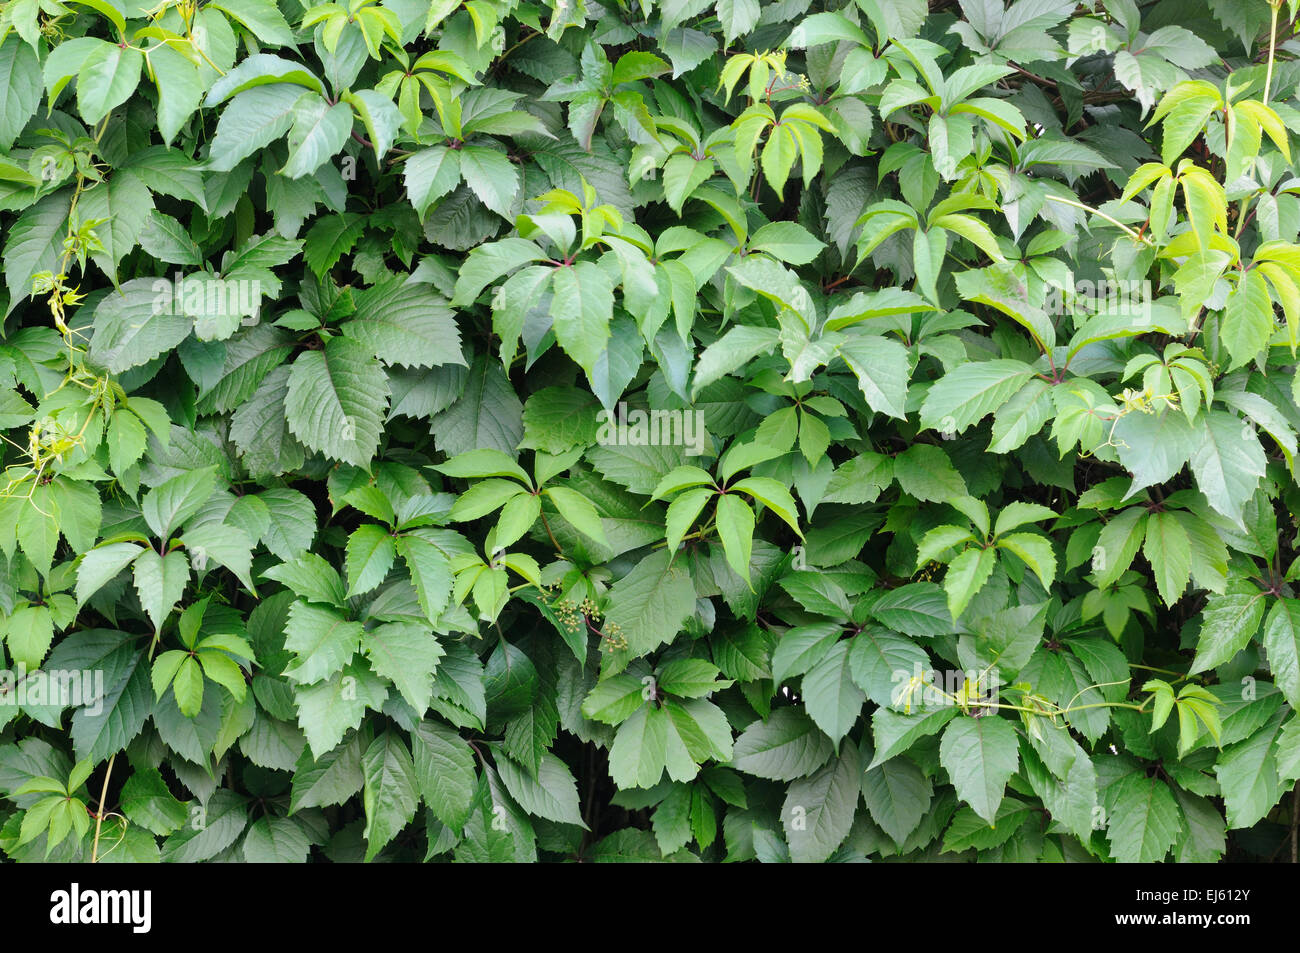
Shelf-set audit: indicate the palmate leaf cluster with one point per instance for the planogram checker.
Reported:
(316, 317)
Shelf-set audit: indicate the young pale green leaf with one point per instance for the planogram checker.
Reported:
(579, 511)
(371, 552)
(735, 525)
(966, 576)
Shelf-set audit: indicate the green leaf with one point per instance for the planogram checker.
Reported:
(407, 654)
(1282, 643)
(551, 794)
(330, 779)
(735, 524)
(789, 242)
(895, 732)
(1247, 319)
(491, 177)
(107, 79)
(486, 263)
(227, 545)
(444, 772)
(1248, 775)
(262, 17)
(389, 795)
(459, 680)
(578, 510)
(329, 239)
(640, 749)
(371, 552)
(336, 400)
(831, 696)
(897, 795)
(188, 687)
(1168, 548)
(1228, 463)
(167, 506)
(112, 720)
(430, 571)
(225, 818)
(136, 324)
(487, 414)
(786, 746)
(772, 494)
(882, 368)
(35, 243)
(20, 91)
(123, 204)
(1202, 840)
(690, 678)
(261, 69)
(651, 603)
(557, 419)
(1227, 626)
(251, 121)
(328, 709)
(882, 661)
(818, 810)
(980, 755)
(29, 633)
(146, 800)
(1288, 752)
(966, 576)
(963, 397)
(101, 565)
(312, 578)
(429, 175)
(276, 840)
(318, 134)
(925, 472)
(581, 309)
(180, 89)
(1145, 820)
(160, 582)
(1154, 447)
(323, 640)
(1035, 552)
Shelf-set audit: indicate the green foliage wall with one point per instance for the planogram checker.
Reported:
(693, 430)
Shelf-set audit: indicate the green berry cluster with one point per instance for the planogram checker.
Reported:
(576, 617)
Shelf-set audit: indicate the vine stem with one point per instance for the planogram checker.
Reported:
(1054, 712)
(700, 534)
(1162, 671)
(108, 773)
(99, 816)
(1272, 50)
(558, 548)
(1295, 822)
(1048, 713)
(516, 46)
(1100, 214)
